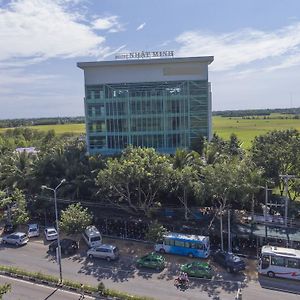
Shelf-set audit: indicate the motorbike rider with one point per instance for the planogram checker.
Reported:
(183, 278)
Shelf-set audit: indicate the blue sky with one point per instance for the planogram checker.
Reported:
(256, 45)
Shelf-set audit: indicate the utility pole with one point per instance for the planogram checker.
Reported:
(266, 211)
(229, 233)
(57, 226)
(286, 179)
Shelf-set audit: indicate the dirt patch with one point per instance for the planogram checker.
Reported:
(130, 247)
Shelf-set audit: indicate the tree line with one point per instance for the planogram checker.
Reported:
(257, 112)
(12, 123)
(219, 174)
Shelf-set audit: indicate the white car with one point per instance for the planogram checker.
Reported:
(16, 238)
(50, 233)
(108, 252)
(33, 230)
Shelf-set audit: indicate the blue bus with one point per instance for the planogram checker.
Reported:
(184, 244)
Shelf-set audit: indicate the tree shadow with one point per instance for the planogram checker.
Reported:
(279, 284)
(117, 271)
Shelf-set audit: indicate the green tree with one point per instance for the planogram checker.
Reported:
(155, 232)
(214, 150)
(17, 170)
(234, 146)
(16, 206)
(5, 288)
(185, 180)
(133, 181)
(74, 219)
(277, 152)
(230, 181)
(198, 144)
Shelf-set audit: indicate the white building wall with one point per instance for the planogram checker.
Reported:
(145, 72)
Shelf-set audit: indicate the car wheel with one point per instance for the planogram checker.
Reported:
(271, 274)
(91, 256)
(108, 258)
(162, 251)
(229, 270)
(66, 252)
(4, 242)
(17, 244)
(190, 255)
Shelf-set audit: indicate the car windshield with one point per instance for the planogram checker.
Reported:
(52, 231)
(234, 258)
(95, 239)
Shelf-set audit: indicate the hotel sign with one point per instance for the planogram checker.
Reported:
(145, 54)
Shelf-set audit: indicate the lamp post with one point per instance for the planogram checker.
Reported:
(44, 187)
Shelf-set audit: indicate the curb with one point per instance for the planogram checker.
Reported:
(53, 284)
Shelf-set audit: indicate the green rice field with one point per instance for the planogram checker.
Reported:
(59, 129)
(245, 129)
(248, 129)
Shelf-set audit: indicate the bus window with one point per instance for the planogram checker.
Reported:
(200, 246)
(179, 243)
(277, 261)
(169, 242)
(187, 245)
(193, 245)
(292, 263)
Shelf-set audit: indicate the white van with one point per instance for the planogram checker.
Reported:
(92, 236)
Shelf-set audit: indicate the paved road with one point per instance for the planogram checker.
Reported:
(124, 276)
(28, 291)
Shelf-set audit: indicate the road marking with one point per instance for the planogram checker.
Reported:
(45, 286)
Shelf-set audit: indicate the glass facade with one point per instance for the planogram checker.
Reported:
(162, 115)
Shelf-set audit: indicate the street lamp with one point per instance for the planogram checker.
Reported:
(44, 187)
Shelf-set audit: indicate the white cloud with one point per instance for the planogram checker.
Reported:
(35, 30)
(245, 47)
(111, 24)
(141, 26)
(13, 77)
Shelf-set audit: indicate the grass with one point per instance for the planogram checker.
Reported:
(248, 129)
(245, 129)
(59, 129)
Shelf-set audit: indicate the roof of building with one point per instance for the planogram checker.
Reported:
(201, 59)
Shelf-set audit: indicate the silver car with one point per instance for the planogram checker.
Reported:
(33, 230)
(108, 252)
(16, 238)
